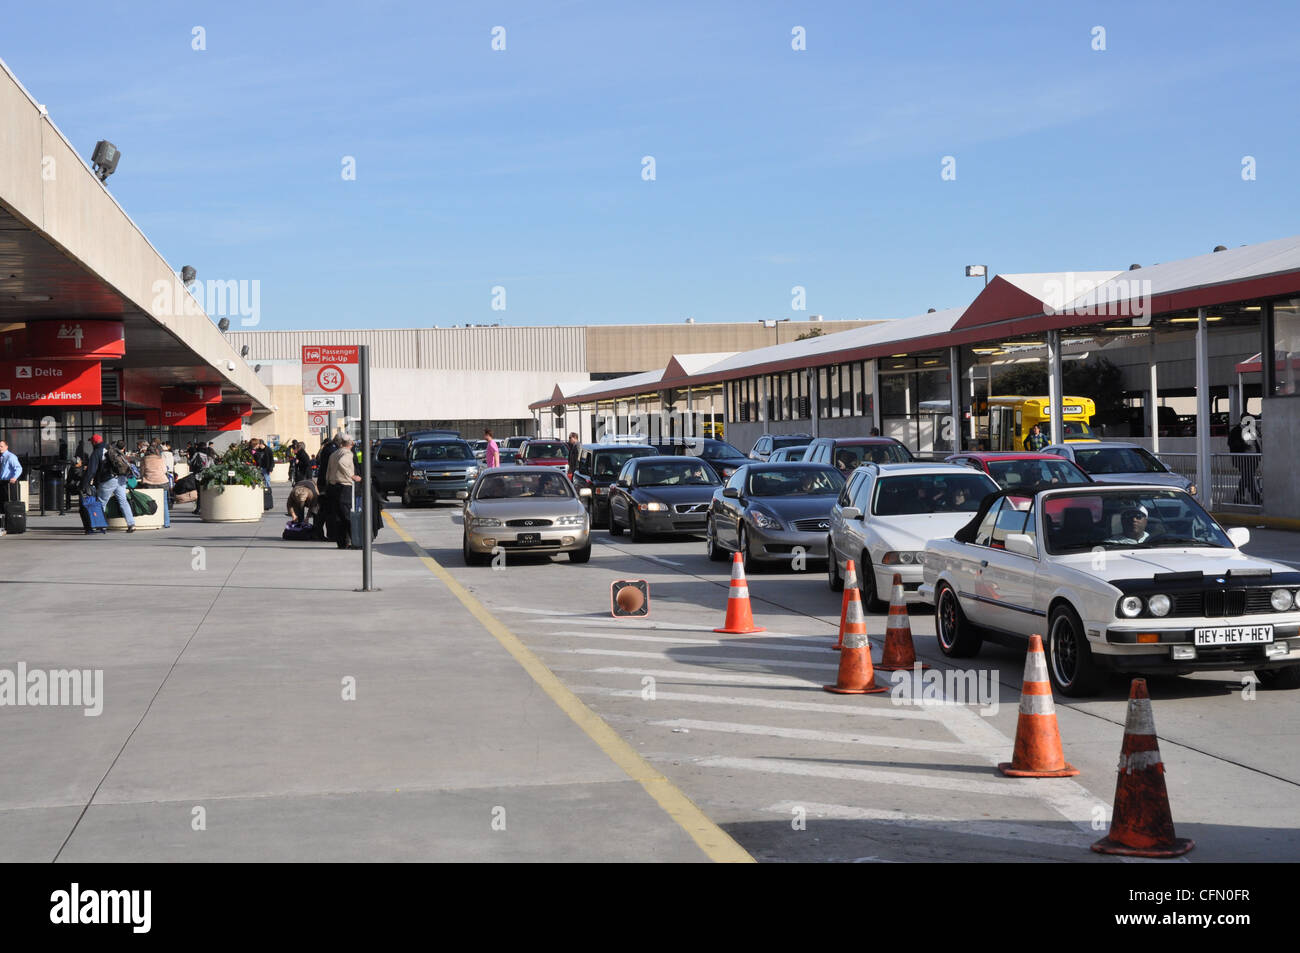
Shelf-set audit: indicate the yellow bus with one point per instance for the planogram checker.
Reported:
(1012, 418)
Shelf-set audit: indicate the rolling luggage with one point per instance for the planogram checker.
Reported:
(268, 501)
(92, 514)
(15, 516)
(376, 520)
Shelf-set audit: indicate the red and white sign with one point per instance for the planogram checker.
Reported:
(318, 419)
(227, 417)
(185, 415)
(95, 340)
(330, 369)
(208, 394)
(28, 383)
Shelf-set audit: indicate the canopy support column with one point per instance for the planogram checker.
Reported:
(1203, 410)
(1054, 386)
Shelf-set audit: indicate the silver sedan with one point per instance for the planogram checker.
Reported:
(525, 510)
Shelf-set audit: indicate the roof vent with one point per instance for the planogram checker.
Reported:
(815, 317)
(1134, 267)
(1220, 247)
(929, 310)
(690, 320)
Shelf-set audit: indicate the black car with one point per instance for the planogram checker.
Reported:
(846, 454)
(599, 465)
(774, 512)
(721, 456)
(439, 470)
(388, 467)
(661, 494)
(765, 445)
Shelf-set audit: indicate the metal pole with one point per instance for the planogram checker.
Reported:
(1054, 385)
(1153, 395)
(1204, 490)
(367, 536)
(954, 398)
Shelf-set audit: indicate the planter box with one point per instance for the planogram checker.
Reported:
(231, 504)
(144, 521)
(280, 474)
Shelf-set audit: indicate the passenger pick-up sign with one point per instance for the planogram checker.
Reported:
(330, 368)
(50, 383)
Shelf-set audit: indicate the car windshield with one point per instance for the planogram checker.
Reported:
(1147, 519)
(849, 458)
(1118, 460)
(441, 451)
(930, 493)
(608, 463)
(720, 450)
(675, 474)
(512, 486)
(545, 449)
(794, 481)
(1013, 473)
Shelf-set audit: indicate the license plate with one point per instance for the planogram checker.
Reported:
(1234, 635)
(529, 539)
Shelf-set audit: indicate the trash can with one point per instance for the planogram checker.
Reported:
(52, 490)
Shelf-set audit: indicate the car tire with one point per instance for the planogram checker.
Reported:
(956, 636)
(716, 553)
(833, 577)
(581, 555)
(867, 586)
(1279, 678)
(1070, 664)
(638, 535)
(742, 547)
(614, 528)
(472, 558)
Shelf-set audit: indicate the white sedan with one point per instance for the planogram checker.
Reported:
(1125, 578)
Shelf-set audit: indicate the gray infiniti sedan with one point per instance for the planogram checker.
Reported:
(525, 510)
(1108, 461)
(773, 512)
(661, 495)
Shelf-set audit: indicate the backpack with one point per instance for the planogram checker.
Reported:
(115, 462)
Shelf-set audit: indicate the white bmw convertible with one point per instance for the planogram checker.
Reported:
(1124, 578)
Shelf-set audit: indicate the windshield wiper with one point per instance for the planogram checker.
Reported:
(1180, 541)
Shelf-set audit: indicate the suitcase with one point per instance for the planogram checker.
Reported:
(268, 500)
(92, 514)
(15, 516)
(356, 515)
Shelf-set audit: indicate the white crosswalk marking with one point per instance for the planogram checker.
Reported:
(702, 659)
(850, 707)
(819, 648)
(810, 734)
(726, 677)
(1017, 787)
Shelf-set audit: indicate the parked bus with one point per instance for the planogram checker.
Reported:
(1011, 419)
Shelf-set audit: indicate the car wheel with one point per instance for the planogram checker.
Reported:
(614, 528)
(716, 553)
(1070, 665)
(867, 586)
(472, 558)
(833, 577)
(957, 637)
(581, 555)
(742, 547)
(1279, 678)
(637, 534)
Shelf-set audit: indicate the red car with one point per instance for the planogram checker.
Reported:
(544, 453)
(1011, 470)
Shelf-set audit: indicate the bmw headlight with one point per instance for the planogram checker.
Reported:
(1281, 599)
(481, 521)
(1160, 604)
(906, 558)
(763, 521)
(1297, 599)
(652, 507)
(1130, 607)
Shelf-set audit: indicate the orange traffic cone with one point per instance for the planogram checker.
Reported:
(899, 652)
(850, 582)
(1037, 753)
(739, 620)
(1140, 823)
(856, 676)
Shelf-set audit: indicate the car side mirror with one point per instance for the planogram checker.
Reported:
(1239, 536)
(851, 513)
(1021, 544)
(731, 493)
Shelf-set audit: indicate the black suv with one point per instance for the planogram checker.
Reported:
(721, 456)
(388, 468)
(765, 444)
(439, 470)
(598, 467)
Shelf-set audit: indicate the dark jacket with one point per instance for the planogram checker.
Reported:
(573, 456)
(322, 463)
(266, 458)
(93, 466)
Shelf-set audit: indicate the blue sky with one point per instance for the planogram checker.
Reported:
(774, 168)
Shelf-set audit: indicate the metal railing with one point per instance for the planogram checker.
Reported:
(1235, 478)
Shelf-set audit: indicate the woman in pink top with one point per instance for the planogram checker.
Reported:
(493, 456)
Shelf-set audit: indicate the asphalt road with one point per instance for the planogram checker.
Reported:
(793, 773)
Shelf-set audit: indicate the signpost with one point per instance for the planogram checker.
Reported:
(330, 371)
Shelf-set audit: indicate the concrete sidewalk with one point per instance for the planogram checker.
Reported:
(226, 655)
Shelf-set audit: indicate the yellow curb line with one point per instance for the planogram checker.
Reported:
(716, 843)
(1249, 520)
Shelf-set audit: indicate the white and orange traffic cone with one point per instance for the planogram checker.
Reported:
(1037, 752)
(739, 620)
(1140, 823)
(850, 582)
(899, 653)
(856, 676)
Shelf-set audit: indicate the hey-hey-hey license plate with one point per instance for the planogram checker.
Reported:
(1234, 635)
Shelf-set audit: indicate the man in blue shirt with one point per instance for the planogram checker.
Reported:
(10, 471)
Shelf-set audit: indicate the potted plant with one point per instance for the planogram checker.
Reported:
(230, 491)
(280, 473)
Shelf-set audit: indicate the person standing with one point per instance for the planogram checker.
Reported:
(341, 476)
(1036, 440)
(492, 456)
(322, 466)
(113, 472)
(265, 458)
(10, 471)
(573, 454)
(303, 462)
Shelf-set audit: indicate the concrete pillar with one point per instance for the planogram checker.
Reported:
(1054, 385)
(690, 428)
(814, 400)
(953, 430)
(1153, 396)
(1203, 410)
(762, 401)
(873, 373)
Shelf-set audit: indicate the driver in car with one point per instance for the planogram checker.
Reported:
(1133, 523)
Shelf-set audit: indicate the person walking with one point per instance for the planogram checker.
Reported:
(111, 478)
(10, 471)
(341, 477)
(573, 454)
(492, 456)
(1036, 440)
(90, 478)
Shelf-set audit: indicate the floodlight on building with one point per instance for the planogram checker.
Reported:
(188, 275)
(230, 365)
(243, 351)
(978, 271)
(224, 325)
(104, 159)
